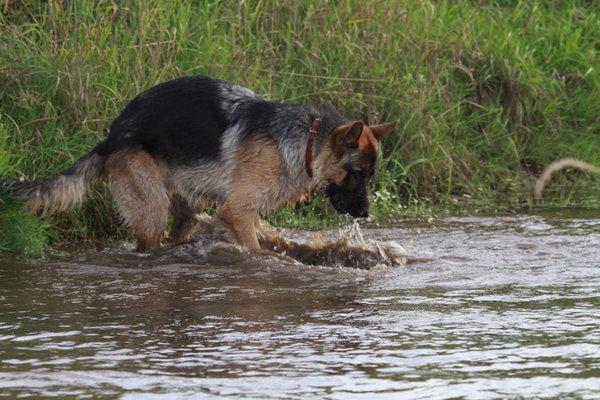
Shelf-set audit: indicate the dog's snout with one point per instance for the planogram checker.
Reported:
(351, 201)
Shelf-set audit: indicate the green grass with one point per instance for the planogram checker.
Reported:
(486, 93)
(20, 231)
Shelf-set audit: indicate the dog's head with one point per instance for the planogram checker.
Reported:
(349, 162)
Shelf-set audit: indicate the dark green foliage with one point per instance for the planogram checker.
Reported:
(20, 231)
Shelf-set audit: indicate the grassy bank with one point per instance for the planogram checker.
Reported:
(486, 93)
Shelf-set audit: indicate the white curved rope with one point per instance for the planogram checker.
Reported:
(555, 166)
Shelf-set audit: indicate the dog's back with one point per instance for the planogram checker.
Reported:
(180, 121)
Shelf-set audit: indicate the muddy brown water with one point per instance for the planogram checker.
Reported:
(487, 307)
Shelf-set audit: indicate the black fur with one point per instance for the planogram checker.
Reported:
(178, 121)
(183, 120)
(351, 195)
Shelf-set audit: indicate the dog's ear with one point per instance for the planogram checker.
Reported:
(379, 131)
(347, 135)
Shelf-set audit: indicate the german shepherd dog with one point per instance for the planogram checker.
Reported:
(194, 140)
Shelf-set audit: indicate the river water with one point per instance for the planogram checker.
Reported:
(485, 307)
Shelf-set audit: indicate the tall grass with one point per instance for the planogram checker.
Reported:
(486, 93)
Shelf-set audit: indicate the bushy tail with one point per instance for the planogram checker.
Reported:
(46, 196)
(555, 166)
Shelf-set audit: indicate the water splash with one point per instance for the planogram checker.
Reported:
(349, 249)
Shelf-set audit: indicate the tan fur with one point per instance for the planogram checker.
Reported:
(379, 131)
(66, 190)
(255, 189)
(367, 141)
(329, 166)
(139, 186)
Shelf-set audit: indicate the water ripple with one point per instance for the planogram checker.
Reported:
(489, 307)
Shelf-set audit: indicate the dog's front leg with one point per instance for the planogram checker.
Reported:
(241, 223)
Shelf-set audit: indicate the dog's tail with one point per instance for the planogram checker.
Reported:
(555, 166)
(46, 196)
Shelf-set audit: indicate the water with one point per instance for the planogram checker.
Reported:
(490, 307)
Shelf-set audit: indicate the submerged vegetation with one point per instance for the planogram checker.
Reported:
(486, 93)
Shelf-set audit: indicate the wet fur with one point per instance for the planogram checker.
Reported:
(195, 140)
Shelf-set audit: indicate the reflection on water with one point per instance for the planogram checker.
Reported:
(487, 308)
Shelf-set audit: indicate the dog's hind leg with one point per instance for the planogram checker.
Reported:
(184, 218)
(137, 184)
